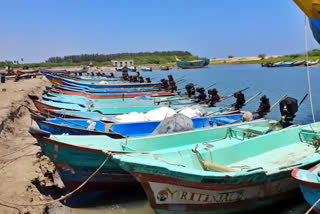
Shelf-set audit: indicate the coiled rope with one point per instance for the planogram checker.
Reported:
(65, 196)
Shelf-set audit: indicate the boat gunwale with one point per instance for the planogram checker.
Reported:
(91, 149)
(310, 184)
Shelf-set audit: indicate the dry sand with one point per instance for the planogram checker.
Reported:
(26, 175)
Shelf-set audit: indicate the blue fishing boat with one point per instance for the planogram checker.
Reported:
(282, 64)
(192, 64)
(104, 91)
(309, 182)
(60, 80)
(121, 130)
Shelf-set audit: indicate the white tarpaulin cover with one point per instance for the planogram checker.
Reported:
(157, 115)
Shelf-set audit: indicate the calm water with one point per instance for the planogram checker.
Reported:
(274, 82)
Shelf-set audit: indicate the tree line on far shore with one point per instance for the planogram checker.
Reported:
(157, 55)
(140, 58)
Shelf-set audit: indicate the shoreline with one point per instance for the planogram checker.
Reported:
(27, 175)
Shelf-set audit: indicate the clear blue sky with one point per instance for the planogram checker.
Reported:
(37, 29)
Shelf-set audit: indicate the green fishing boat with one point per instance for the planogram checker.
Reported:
(77, 157)
(231, 175)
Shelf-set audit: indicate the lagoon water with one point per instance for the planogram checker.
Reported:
(274, 82)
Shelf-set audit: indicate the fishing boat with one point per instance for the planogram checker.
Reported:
(77, 157)
(121, 130)
(164, 68)
(63, 113)
(138, 101)
(309, 183)
(224, 176)
(144, 68)
(298, 63)
(31, 72)
(124, 108)
(103, 91)
(311, 8)
(282, 64)
(67, 96)
(60, 80)
(43, 71)
(130, 101)
(90, 89)
(102, 108)
(311, 63)
(192, 64)
(123, 69)
(132, 68)
(90, 79)
(114, 95)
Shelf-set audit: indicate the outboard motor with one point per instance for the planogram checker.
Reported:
(201, 98)
(125, 75)
(214, 97)
(288, 109)
(165, 83)
(191, 91)
(141, 80)
(264, 107)
(135, 79)
(240, 100)
(173, 86)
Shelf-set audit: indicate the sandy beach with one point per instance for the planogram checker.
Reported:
(26, 175)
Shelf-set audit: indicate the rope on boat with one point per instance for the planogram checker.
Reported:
(6, 203)
(308, 69)
(310, 92)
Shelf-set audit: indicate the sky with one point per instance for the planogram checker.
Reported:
(38, 29)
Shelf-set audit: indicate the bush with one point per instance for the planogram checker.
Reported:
(262, 56)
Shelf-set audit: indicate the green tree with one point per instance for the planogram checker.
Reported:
(262, 56)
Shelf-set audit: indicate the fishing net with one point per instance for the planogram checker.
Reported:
(159, 114)
(175, 123)
(193, 112)
(247, 116)
(153, 115)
